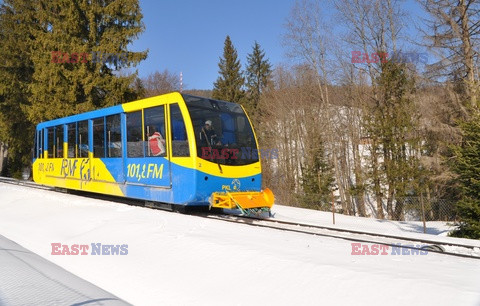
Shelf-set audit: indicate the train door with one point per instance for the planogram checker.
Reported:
(107, 162)
(147, 159)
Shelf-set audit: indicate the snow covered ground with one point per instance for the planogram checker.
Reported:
(179, 259)
(29, 279)
(435, 230)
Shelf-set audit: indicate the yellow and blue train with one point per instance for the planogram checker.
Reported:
(173, 150)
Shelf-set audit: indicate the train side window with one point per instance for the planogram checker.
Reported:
(99, 137)
(51, 142)
(37, 139)
(134, 134)
(154, 119)
(114, 136)
(83, 139)
(42, 144)
(59, 141)
(35, 145)
(179, 132)
(72, 140)
(39, 144)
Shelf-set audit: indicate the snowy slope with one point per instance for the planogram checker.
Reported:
(435, 230)
(180, 259)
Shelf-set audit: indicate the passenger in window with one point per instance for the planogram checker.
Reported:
(208, 137)
(71, 152)
(156, 142)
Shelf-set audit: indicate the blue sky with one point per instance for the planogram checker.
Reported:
(188, 35)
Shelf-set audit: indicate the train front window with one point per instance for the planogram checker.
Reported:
(223, 133)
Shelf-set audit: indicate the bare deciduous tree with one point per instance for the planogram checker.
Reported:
(159, 83)
(453, 32)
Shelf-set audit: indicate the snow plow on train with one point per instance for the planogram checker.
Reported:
(249, 203)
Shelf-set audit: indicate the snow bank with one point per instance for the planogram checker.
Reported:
(181, 259)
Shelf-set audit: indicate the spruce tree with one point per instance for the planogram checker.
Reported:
(89, 40)
(16, 71)
(317, 180)
(139, 89)
(258, 74)
(92, 40)
(392, 125)
(466, 164)
(230, 83)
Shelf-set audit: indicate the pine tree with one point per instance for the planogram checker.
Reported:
(392, 124)
(36, 86)
(139, 89)
(317, 180)
(92, 40)
(258, 74)
(16, 70)
(466, 164)
(230, 83)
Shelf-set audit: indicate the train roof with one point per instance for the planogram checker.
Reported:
(112, 110)
(145, 103)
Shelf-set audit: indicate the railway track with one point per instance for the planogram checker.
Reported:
(30, 184)
(393, 241)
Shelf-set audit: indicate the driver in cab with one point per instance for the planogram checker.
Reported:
(208, 136)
